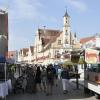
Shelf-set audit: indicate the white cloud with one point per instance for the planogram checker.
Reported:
(20, 11)
(78, 4)
(24, 9)
(28, 10)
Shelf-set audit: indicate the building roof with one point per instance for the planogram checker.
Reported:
(25, 50)
(48, 35)
(49, 32)
(84, 40)
(11, 54)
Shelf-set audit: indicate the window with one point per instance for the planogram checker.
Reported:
(66, 41)
(72, 41)
(56, 51)
(98, 68)
(57, 54)
(43, 42)
(59, 42)
(66, 33)
(93, 67)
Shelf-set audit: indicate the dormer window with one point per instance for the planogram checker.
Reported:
(59, 42)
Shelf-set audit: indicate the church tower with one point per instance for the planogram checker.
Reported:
(66, 30)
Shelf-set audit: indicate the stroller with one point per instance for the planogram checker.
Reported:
(18, 86)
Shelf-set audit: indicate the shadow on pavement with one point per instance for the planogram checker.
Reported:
(73, 94)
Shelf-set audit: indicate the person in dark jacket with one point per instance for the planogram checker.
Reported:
(30, 87)
(65, 80)
(50, 79)
(38, 79)
(43, 78)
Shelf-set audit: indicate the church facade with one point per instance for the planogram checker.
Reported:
(54, 46)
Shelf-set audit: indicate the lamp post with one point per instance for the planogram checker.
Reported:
(75, 59)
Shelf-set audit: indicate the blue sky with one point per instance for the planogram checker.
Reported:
(26, 16)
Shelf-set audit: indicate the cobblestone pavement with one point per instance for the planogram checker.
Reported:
(73, 94)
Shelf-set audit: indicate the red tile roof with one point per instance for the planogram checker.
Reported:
(84, 40)
(10, 54)
(25, 50)
(49, 35)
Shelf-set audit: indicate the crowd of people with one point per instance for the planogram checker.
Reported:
(40, 78)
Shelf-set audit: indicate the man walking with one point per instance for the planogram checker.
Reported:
(50, 79)
(65, 80)
(43, 78)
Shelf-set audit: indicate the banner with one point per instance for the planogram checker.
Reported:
(92, 56)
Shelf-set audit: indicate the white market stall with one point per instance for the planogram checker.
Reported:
(5, 84)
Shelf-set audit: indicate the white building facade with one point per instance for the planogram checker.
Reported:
(26, 55)
(54, 46)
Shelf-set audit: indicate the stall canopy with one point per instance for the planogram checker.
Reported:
(10, 61)
(2, 59)
(80, 61)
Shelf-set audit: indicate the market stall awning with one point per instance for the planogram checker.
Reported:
(80, 61)
(68, 63)
(10, 61)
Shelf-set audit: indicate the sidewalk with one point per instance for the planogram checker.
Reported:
(73, 94)
(81, 81)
